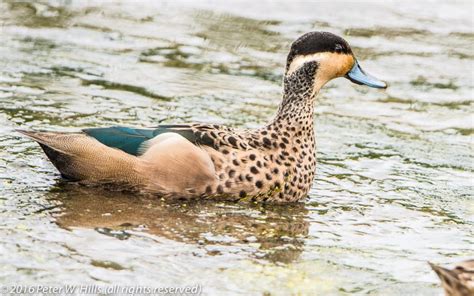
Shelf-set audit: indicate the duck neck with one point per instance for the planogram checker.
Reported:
(295, 113)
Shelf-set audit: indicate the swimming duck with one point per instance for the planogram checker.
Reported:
(274, 163)
(458, 281)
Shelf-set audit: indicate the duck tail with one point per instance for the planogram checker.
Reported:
(450, 281)
(79, 157)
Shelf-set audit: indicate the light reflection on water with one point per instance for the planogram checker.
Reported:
(393, 187)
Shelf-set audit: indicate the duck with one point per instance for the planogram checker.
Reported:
(458, 281)
(273, 163)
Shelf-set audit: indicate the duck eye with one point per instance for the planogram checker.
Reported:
(338, 47)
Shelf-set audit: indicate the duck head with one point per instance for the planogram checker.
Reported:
(318, 57)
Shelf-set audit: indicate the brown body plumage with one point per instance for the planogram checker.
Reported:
(458, 281)
(274, 163)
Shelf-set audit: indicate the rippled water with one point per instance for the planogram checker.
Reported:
(394, 182)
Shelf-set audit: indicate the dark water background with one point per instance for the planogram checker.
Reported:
(394, 182)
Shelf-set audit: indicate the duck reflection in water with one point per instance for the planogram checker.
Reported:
(274, 232)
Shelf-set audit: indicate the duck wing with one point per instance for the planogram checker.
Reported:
(131, 140)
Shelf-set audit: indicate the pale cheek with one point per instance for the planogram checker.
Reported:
(319, 82)
(341, 65)
(323, 75)
(348, 63)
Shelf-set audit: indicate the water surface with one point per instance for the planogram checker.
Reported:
(394, 181)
